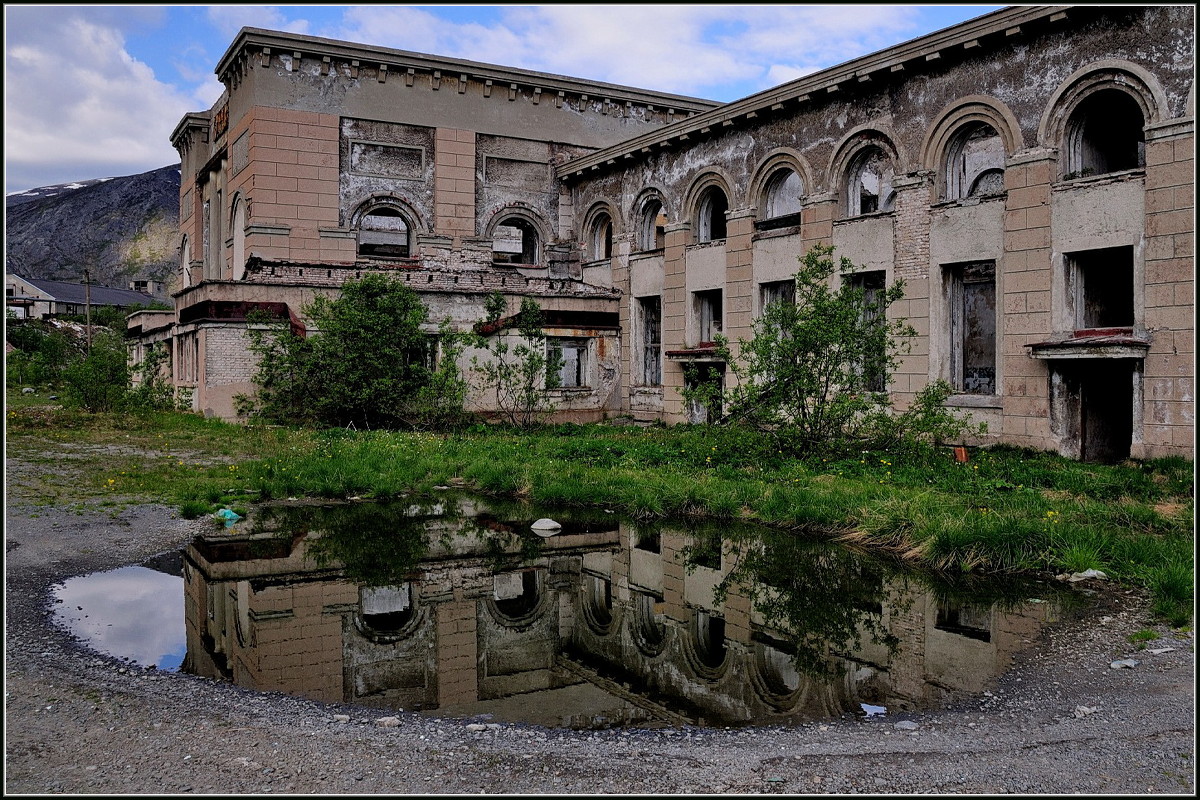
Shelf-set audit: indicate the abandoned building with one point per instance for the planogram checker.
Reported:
(1029, 175)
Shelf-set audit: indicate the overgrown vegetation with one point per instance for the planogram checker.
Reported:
(813, 371)
(370, 365)
(95, 377)
(1006, 509)
(519, 375)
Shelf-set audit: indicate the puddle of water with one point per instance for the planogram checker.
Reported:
(464, 608)
(133, 613)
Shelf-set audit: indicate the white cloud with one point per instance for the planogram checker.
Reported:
(77, 105)
(721, 51)
(231, 19)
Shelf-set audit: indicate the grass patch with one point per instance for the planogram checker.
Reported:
(1006, 509)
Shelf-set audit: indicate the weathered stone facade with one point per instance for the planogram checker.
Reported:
(1029, 175)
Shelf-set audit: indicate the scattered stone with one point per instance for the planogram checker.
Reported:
(341, 717)
(1158, 651)
(1083, 711)
(388, 722)
(477, 726)
(1123, 663)
(906, 725)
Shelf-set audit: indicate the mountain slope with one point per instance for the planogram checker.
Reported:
(121, 229)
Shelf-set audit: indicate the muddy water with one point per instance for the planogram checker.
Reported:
(464, 607)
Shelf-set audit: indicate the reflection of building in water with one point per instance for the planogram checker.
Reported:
(615, 625)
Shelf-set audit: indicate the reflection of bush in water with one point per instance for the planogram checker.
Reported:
(377, 544)
(823, 598)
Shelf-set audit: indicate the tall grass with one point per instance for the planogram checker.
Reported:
(1006, 509)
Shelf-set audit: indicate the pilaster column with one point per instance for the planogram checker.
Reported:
(674, 317)
(1026, 297)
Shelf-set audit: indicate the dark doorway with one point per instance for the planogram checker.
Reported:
(1106, 410)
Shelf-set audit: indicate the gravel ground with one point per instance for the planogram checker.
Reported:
(1062, 721)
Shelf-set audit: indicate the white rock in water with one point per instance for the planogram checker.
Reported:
(547, 525)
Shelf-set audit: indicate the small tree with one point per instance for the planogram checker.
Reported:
(807, 367)
(100, 380)
(523, 374)
(369, 364)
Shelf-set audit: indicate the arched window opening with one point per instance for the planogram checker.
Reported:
(709, 631)
(781, 199)
(711, 223)
(239, 239)
(386, 609)
(652, 232)
(975, 163)
(515, 593)
(515, 241)
(870, 186)
(383, 232)
(600, 245)
(1106, 134)
(185, 262)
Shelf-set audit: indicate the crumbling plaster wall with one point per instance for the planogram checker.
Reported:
(1022, 75)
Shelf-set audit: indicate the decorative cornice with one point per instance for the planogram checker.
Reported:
(256, 47)
(972, 37)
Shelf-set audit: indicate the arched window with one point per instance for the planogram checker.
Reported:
(185, 262)
(239, 238)
(975, 163)
(384, 232)
(782, 195)
(652, 226)
(869, 188)
(1106, 133)
(600, 241)
(710, 222)
(515, 241)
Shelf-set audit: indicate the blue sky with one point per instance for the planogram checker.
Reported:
(94, 91)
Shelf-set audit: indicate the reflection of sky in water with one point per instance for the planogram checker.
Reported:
(133, 613)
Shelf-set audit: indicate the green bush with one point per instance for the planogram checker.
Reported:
(369, 364)
(100, 381)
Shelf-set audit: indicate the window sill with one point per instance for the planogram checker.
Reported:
(776, 233)
(856, 218)
(566, 391)
(1120, 176)
(974, 401)
(969, 202)
(512, 265)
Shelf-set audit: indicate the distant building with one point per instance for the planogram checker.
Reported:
(34, 298)
(1028, 174)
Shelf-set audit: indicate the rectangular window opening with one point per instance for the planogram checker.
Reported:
(709, 315)
(872, 284)
(1103, 287)
(571, 357)
(650, 311)
(971, 292)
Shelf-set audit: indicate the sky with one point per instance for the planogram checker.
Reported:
(94, 91)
